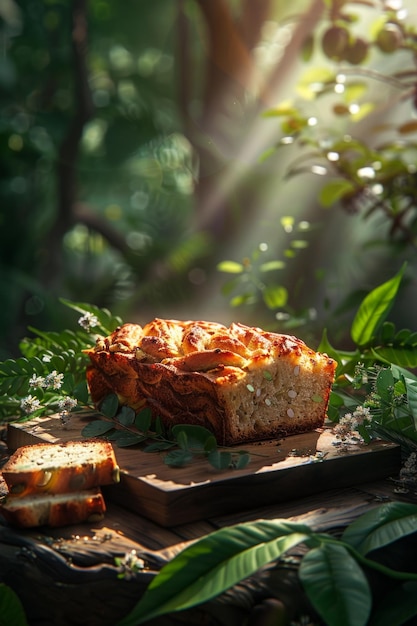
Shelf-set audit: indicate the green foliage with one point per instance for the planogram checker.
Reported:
(254, 279)
(52, 366)
(332, 571)
(183, 442)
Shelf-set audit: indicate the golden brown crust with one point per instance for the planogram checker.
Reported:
(241, 382)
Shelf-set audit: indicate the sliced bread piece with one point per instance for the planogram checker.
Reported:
(61, 467)
(47, 509)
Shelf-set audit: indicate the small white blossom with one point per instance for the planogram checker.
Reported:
(54, 380)
(88, 321)
(349, 423)
(67, 403)
(30, 404)
(46, 358)
(37, 382)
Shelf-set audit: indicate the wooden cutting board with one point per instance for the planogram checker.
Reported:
(278, 471)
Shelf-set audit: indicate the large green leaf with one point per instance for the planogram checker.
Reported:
(213, 564)
(336, 585)
(382, 526)
(374, 309)
(406, 357)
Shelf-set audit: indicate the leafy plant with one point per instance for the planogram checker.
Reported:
(50, 374)
(362, 175)
(333, 572)
(254, 277)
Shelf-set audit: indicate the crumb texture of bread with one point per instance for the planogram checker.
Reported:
(61, 468)
(243, 383)
(54, 510)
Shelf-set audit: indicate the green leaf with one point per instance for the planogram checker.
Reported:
(336, 585)
(381, 526)
(275, 296)
(219, 459)
(110, 405)
(405, 357)
(11, 609)
(213, 564)
(335, 191)
(374, 309)
(397, 607)
(196, 436)
(243, 460)
(143, 420)
(126, 416)
(96, 428)
(178, 458)
(230, 267)
(108, 322)
(129, 439)
(271, 266)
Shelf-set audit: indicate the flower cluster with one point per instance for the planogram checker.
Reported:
(52, 380)
(88, 321)
(350, 423)
(130, 564)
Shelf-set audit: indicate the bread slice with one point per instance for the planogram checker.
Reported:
(61, 467)
(242, 383)
(46, 509)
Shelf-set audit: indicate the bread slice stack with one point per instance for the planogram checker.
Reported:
(242, 383)
(58, 484)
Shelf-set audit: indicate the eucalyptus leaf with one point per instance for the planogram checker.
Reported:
(126, 416)
(336, 585)
(129, 439)
(374, 309)
(196, 436)
(243, 460)
(96, 428)
(178, 458)
(381, 526)
(110, 405)
(213, 564)
(143, 420)
(221, 460)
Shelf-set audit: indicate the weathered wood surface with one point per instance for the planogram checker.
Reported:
(279, 471)
(69, 576)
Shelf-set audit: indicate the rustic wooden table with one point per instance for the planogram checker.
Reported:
(68, 576)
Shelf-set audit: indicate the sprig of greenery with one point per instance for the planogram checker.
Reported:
(376, 375)
(50, 374)
(183, 442)
(330, 568)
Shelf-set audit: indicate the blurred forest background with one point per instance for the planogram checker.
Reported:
(248, 160)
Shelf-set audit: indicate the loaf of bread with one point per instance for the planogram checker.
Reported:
(242, 383)
(45, 509)
(61, 468)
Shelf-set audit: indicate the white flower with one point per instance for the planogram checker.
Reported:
(37, 382)
(30, 404)
(46, 358)
(88, 321)
(67, 403)
(54, 380)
